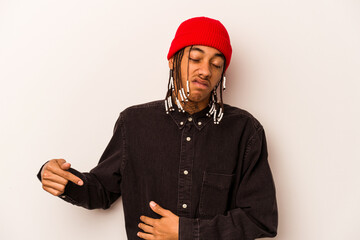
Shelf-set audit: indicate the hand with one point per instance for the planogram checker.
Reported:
(55, 176)
(165, 228)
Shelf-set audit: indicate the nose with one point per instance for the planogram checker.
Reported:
(205, 70)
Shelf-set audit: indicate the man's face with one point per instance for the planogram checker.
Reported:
(204, 67)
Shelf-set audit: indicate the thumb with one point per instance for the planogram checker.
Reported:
(159, 210)
(63, 164)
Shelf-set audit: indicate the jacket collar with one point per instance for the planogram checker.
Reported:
(199, 119)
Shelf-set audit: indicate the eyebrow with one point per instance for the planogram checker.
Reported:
(202, 51)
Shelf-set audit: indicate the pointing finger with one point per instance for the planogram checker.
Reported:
(67, 175)
(71, 177)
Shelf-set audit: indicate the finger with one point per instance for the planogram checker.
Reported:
(65, 166)
(148, 220)
(60, 161)
(145, 235)
(52, 191)
(52, 162)
(54, 178)
(54, 185)
(146, 228)
(65, 174)
(159, 210)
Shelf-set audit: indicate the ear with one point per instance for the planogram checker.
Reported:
(171, 62)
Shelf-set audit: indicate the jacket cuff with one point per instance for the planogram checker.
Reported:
(39, 173)
(189, 229)
(72, 191)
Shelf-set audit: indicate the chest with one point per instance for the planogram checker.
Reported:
(166, 149)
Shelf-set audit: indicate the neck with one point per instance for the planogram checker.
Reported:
(192, 107)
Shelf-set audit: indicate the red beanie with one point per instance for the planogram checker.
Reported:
(202, 31)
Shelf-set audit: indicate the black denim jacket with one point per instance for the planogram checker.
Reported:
(215, 177)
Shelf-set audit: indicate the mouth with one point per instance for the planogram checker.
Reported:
(203, 84)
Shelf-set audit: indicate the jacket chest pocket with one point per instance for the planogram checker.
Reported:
(214, 196)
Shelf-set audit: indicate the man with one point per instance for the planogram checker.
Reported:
(189, 167)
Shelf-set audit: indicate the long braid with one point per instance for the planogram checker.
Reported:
(174, 75)
(217, 107)
(187, 77)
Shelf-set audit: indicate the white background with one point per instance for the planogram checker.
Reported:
(67, 69)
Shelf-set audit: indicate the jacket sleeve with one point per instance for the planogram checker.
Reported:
(255, 213)
(102, 184)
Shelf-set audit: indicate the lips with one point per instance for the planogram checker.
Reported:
(203, 84)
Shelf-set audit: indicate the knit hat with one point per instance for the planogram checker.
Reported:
(202, 31)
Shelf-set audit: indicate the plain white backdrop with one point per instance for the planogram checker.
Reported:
(67, 69)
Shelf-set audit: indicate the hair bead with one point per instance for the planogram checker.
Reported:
(224, 82)
(187, 87)
(181, 96)
(166, 107)
(183, 92)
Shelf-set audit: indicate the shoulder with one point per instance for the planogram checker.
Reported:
(250, 128)
(146, 112)
(144, 107)
(238, 115)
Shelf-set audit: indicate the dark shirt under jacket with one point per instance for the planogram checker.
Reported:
(216, 178)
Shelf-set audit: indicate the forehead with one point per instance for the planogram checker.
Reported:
(205, 50)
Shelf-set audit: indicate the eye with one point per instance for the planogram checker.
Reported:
(217, 66)
(194, 60)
